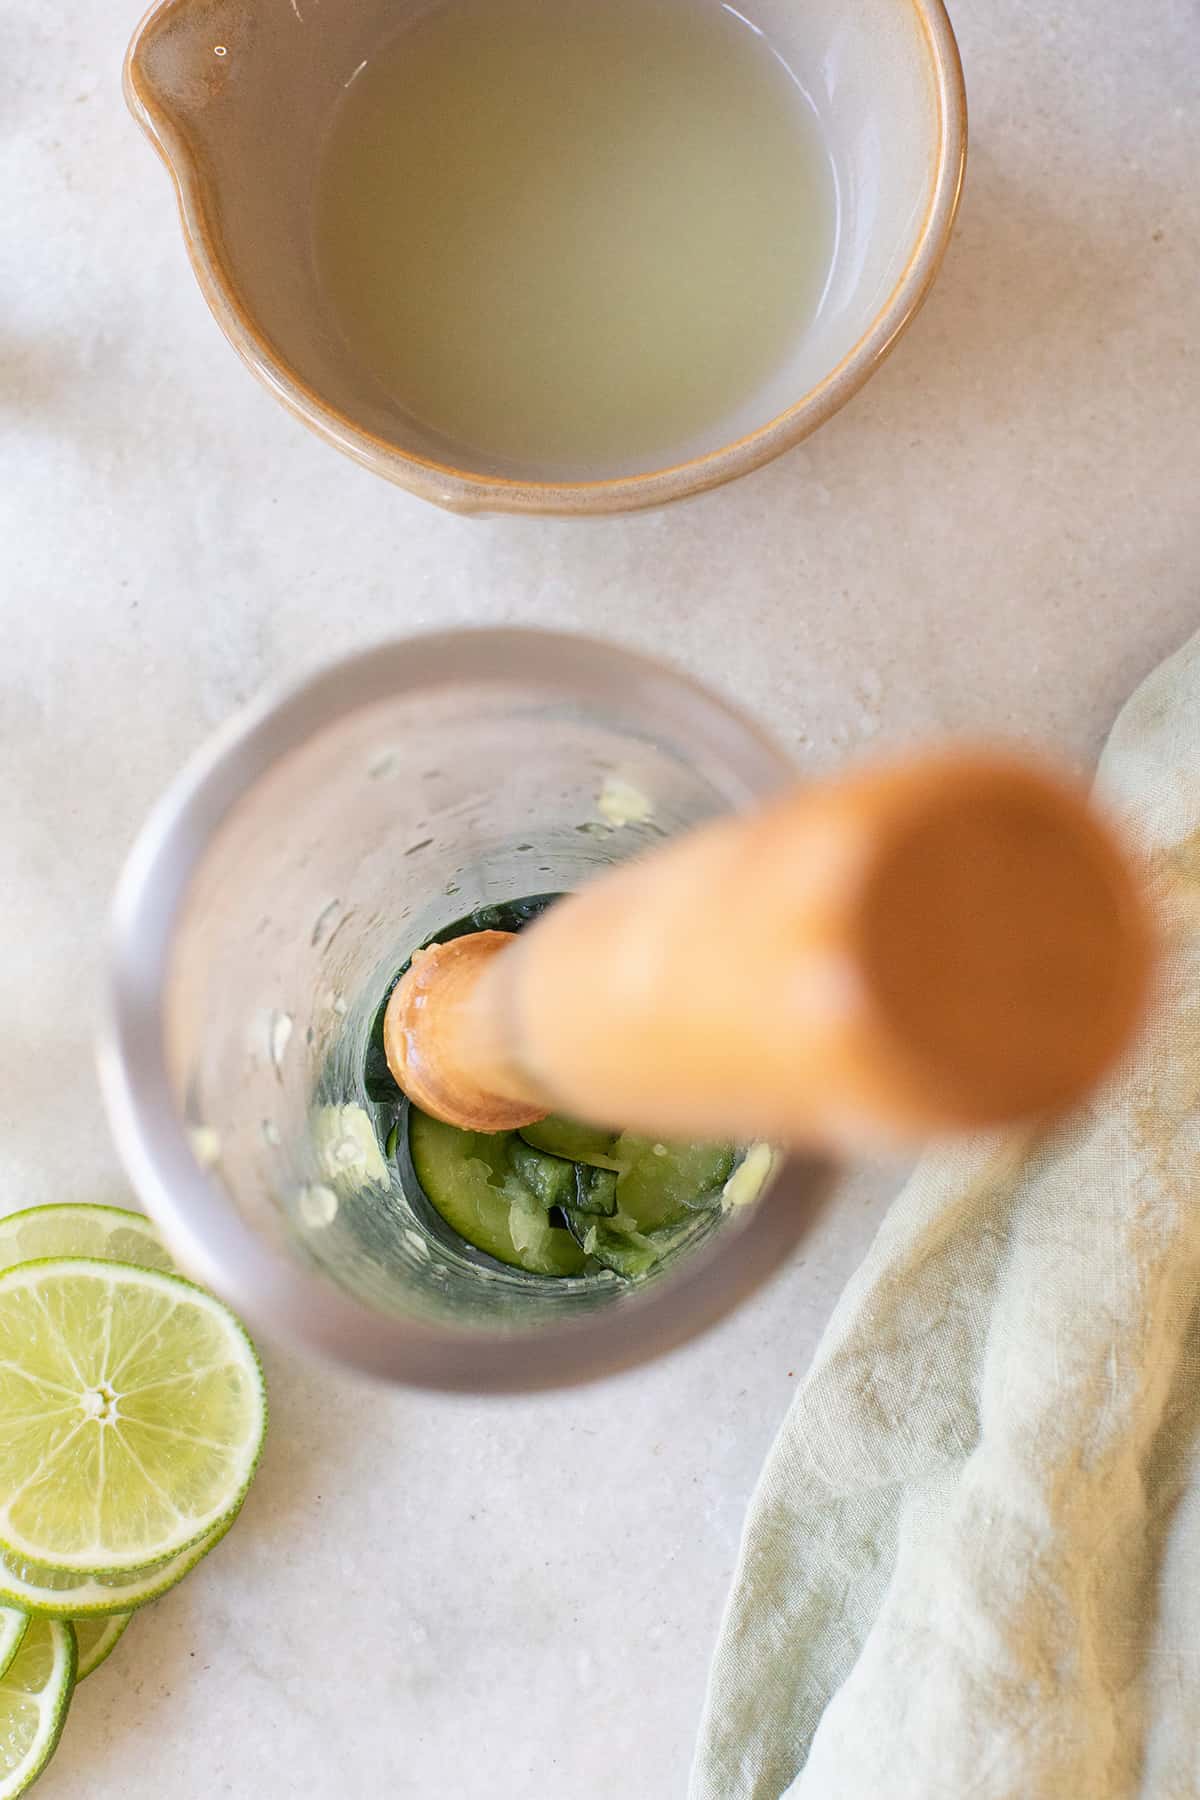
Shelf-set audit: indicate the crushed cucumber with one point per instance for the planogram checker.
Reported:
(577, 1143)
(660, 1184)
(549, 1216)
(466, 1176)
(557, 1198)
(549, 1179)
(595, 1191)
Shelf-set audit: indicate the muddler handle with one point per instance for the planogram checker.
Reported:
(948, 941)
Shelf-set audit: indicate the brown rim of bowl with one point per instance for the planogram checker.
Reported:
(459, 490)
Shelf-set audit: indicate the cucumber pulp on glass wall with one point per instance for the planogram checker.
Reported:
(557, 1198)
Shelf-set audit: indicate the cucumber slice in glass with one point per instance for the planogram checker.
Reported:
(508, 1198)
(549, 1179)
(661, 1184)
(466, 1176)
(595, 1191)
(626, 1253)
(576, 1143)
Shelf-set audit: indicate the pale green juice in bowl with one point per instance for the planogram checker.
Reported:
(574, 234)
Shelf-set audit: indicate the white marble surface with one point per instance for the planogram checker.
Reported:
(430, 1597)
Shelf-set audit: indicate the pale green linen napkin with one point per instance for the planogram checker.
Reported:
(972, 1565)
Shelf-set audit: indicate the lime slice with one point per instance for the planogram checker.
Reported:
(13, 1625)
(97, 1639)
(132, 1413)
(53, 1595)
(35, 1693)
(104, 1231)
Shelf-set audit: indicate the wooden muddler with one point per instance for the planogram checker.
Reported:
(944, 942)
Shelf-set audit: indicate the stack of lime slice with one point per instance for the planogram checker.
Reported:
(132, 1415)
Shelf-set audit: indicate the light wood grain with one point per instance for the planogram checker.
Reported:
(948, 942)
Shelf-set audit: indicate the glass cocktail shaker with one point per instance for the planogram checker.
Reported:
(261, 917)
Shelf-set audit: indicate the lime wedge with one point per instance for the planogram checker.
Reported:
(52, 1595)
(97, 1639)
(104, 1231)
(132, 1414)
(35, 1693)
(13, 1625)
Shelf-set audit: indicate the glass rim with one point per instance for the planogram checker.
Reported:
(262, 1281)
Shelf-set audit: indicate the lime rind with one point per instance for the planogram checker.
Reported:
(87, 1359)
(93, 1597)
(14, 1623)
(96, 1640)
(35, 1693)
(108, 1233)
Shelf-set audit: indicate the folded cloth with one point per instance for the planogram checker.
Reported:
(972, 1564)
